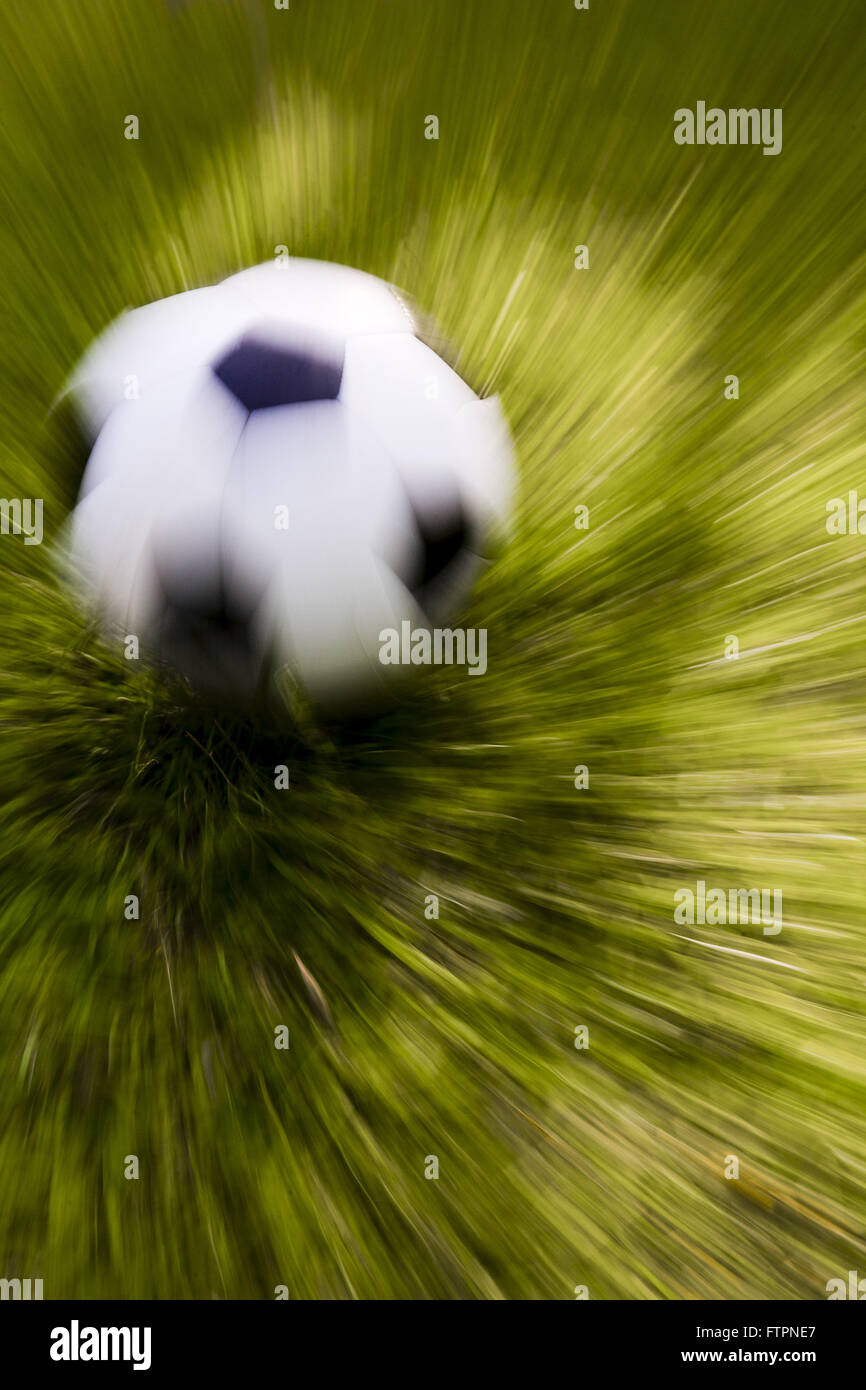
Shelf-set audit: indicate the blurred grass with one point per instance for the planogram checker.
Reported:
(454, 1037)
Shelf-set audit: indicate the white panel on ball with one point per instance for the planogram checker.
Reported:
(145, 346)
(333, 298)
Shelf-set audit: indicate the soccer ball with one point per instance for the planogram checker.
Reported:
(281, 469)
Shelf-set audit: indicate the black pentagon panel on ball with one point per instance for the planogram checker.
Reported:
(444, 536)
(261, 374)
(440, 545)
(208, 639)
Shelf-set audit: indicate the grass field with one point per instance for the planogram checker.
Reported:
(558, 1167)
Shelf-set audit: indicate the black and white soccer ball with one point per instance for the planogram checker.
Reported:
(281, 469)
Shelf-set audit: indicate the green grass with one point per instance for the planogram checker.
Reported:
(454, 1037)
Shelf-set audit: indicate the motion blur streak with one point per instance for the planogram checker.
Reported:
(414, 1036)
